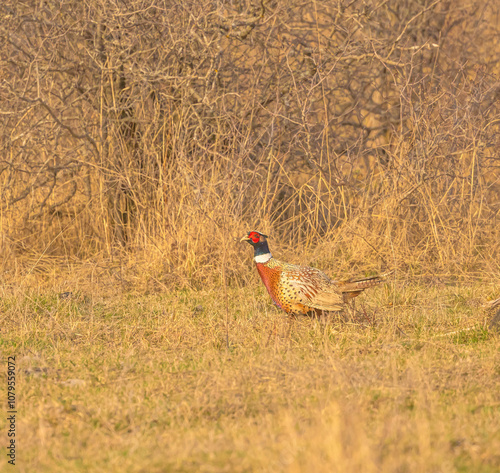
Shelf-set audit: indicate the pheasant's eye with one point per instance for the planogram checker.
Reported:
(255, 237)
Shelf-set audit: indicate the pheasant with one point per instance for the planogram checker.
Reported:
(301, 289)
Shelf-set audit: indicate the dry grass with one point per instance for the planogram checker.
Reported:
(367, 129)
(137, 139)
(112, 380)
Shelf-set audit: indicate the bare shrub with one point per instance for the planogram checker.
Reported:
(366, 129)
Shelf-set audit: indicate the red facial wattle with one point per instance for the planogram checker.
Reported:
(254, 236)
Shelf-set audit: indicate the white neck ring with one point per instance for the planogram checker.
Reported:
(263, 258)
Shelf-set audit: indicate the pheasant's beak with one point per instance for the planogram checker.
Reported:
(245, 238)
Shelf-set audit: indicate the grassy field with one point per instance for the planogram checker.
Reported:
(140, 140)
(117, 380)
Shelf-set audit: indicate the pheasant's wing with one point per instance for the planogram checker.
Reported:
(314, 289)
(328, 300)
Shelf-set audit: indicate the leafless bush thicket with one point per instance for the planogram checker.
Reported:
(366, 128)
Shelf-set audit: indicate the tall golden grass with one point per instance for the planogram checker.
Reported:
(361, 134)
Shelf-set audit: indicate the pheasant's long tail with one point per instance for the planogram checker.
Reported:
(358, 285)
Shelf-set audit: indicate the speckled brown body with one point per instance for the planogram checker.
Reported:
(304, 290)
(293, 288)
(300, 289)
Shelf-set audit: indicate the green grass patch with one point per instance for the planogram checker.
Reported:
(134, 383)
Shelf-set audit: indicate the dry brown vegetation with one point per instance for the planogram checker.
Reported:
(366, 129)
(138, 138)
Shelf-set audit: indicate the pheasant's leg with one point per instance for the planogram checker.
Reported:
(353, 309)
(291, 318)
(370, 319)
(272, 332)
